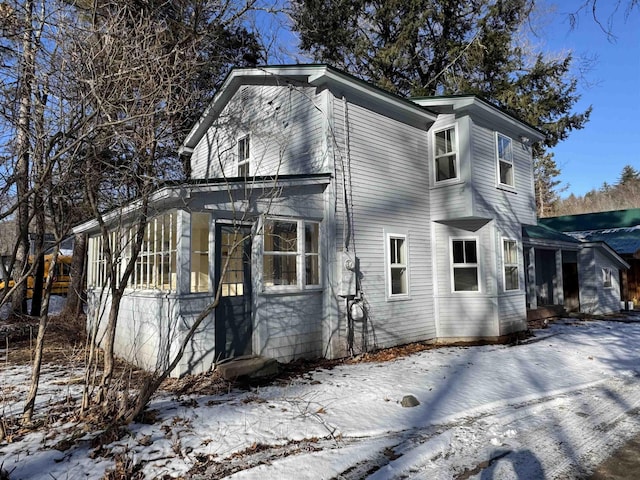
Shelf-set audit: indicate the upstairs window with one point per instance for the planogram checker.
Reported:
(291, 252)
(244, 157)
(446, 155)
(465, 265)
(510, 259)
(505, 160)
(397, 265)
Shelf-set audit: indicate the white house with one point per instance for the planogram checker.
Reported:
(366, 220)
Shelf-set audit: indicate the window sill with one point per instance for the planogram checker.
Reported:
(507, 188)
(398, 298)
(447, 183)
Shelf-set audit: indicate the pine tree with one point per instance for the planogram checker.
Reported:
(429, 47)
(628, 175)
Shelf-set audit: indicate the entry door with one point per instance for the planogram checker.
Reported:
(233, 315)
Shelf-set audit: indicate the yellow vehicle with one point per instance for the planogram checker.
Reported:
(61, 278)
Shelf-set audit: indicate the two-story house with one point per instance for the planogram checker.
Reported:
(361, 220)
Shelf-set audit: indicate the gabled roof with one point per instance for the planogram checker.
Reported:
(479, 108)
(594, 221)
(314, 75)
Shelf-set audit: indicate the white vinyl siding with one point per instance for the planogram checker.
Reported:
(381, 148)
(509, 206)
(285, 128)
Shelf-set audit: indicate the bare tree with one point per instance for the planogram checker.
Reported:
(141, 71)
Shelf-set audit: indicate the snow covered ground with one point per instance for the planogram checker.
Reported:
(552, 407)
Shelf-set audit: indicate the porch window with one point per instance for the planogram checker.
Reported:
(465, 265)
(510, 261)
(446, 154)
(200, 252)
(505, 160)
(155, 267)
(606, 278)
(291, 254)
(397, 265)
(244, 156)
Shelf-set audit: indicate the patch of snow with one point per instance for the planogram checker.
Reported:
(552, 407)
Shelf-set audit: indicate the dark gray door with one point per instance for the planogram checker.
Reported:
(233, 315)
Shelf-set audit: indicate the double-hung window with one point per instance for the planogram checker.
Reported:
(465, 265)
(397, 266)
(291, 254)
(446, 154)
(244, 156)
(504, 149)
(606, 278)
(510, 260)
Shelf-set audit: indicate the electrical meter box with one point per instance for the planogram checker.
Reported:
(348, 268)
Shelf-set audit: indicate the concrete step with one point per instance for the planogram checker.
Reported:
(250, 366)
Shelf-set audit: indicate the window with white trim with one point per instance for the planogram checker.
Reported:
(504, 150)
(445, 154)
(155, 267)
(606, 278)
(397, 265)
(199, 252)
(291, 254)
(510, 262)
(464, 256)
(244, 156)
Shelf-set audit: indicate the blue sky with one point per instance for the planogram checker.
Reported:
(611, 138)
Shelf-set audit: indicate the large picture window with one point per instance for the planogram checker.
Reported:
(446, 154)
(397, 265)
(505, 160)
(510, 259)
(465, 265)
(291, 254)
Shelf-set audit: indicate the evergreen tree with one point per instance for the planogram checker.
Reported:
(429, 47)
(628, 175)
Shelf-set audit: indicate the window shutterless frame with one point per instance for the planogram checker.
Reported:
(511, 269)
(504, 159)
(397, 265)
(465, 265)
(446, 158)
(244, 156)
(606, 278)
(291, 255)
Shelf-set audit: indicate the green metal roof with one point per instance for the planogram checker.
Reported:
(542, 232)
(593, 221)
